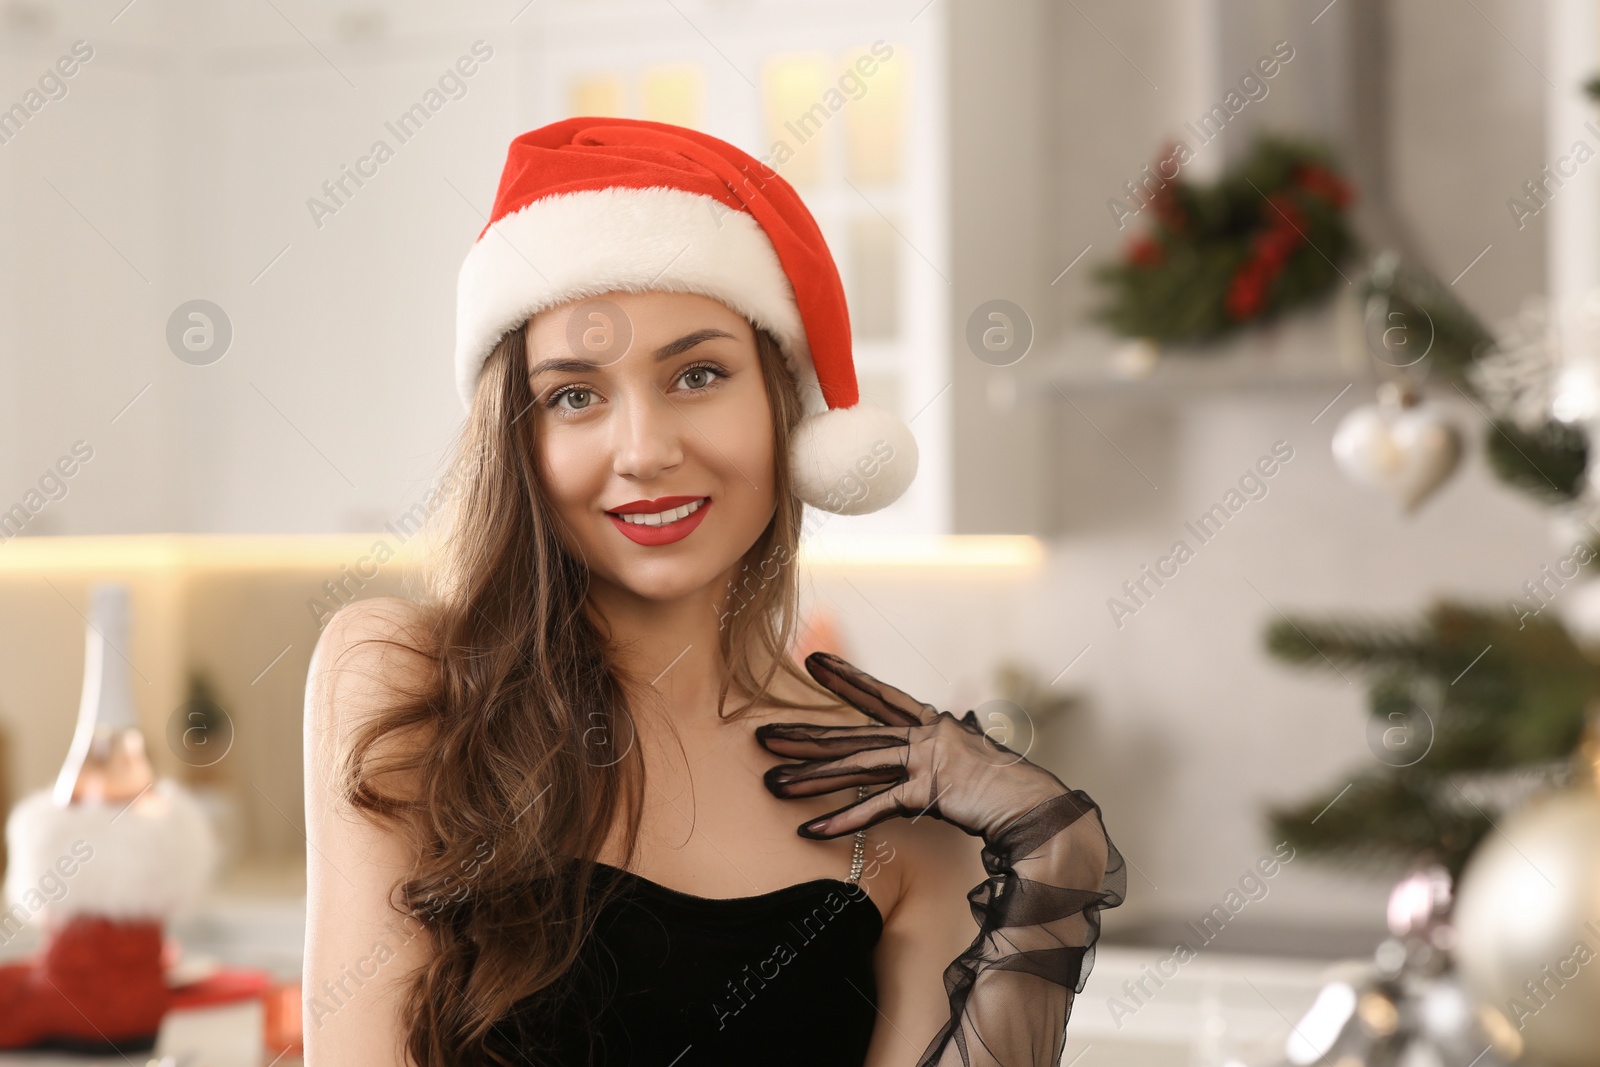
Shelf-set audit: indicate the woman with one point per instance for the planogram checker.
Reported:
(544, 817)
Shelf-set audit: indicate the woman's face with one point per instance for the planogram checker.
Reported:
(649, 403)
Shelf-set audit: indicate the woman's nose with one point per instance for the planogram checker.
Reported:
(648, 435)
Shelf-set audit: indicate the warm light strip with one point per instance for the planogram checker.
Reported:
(942, 552)
(25, 555)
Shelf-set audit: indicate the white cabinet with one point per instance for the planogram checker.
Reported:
(196, 149)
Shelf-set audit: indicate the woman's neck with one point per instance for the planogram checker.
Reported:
(671, 649)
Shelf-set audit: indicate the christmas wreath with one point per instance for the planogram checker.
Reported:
(1265, 238)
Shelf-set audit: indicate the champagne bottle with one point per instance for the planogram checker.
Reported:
(107, 761)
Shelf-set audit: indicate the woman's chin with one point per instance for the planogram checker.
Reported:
(668, 582)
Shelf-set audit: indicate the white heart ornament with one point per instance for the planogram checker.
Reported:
(1407, 450)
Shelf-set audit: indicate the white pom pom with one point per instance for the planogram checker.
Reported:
(852, 461)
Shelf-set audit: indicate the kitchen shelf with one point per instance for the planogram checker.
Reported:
(1316, 351)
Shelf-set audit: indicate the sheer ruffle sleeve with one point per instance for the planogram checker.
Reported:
(1011, 993)
(1052, 868)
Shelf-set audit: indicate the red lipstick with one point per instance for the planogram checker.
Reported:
(666, 533)
(648, 506)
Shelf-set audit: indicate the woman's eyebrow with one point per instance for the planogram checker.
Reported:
(666, 351)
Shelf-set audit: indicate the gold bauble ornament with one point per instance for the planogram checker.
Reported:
(1527, 919)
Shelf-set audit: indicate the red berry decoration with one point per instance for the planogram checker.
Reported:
(1264, 239)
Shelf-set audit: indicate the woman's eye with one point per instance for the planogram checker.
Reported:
(562, 394)
(698, 378)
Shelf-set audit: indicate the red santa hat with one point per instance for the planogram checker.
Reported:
(592, 205)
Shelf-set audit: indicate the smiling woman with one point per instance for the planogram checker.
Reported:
(683, 411)
(648, 413)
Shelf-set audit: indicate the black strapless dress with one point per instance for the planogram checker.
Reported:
(668, 979)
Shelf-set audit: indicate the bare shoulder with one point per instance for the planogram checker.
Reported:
(369, 655)
(368, 638)
(934, 862)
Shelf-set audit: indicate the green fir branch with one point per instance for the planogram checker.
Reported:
(1377, 821)
(1410, 298)
(1491, 689)
(1547, 463)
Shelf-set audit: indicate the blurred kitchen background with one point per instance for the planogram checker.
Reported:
(1339, 344)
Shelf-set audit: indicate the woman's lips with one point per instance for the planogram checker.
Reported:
(666, 533)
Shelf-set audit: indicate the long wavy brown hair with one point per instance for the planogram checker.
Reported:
(519, 741)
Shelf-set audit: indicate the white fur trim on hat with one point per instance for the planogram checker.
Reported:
(580, 244)
(854, 460)
(149, 859)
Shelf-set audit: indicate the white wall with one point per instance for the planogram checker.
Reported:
(179, 166)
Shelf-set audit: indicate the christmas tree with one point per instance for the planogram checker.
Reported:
(1471, 695)
(1456, 700)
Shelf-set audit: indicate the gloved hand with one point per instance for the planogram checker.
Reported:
(1052, 868)
(937, 764)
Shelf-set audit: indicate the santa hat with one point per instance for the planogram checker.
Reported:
(101, 879)
(591, 205)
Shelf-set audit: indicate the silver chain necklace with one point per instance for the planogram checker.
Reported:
(858, 857)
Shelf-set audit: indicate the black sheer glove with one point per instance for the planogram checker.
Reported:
(1052, 868)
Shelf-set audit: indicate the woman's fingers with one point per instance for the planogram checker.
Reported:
(916, 747)
(817, 777)
(867, 694)
(800, 740)
(879, 807)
